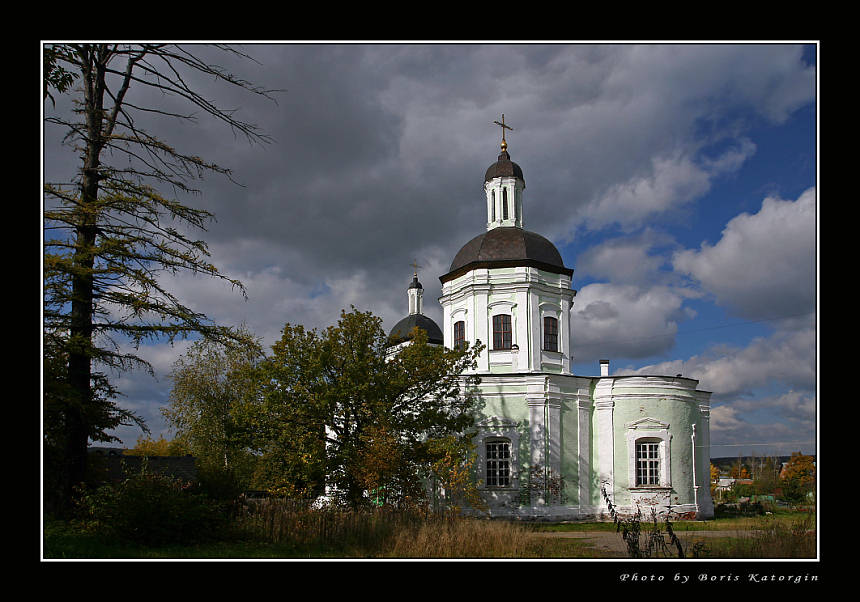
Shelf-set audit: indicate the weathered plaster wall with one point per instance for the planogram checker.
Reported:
(658, 407)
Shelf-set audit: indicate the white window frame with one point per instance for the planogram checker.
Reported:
(454, 332)
(552, 310)
(497, 430)
(647, 462)
(461, 314)
(649, 430)
(544, 333)
(496, 308)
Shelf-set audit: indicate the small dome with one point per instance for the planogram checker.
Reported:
(403, 329)
(507, 247)
(504, 167)
(415, 283)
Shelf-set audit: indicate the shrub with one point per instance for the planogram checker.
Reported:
(219, 483)
(740, 509)
(152, 509)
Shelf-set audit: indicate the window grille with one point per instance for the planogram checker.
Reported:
(550, 334)
(648, 463)
(459, 334)
(498, 464)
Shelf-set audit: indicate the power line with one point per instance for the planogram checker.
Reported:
(693, 331)
(745, 444)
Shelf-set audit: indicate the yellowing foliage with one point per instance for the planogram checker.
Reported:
(800, 468)
(146, 446)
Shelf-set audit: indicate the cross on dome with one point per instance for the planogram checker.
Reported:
(504, 127)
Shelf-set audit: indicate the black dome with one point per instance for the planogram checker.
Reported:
(403, 329)
(507, 247)
(504, 167)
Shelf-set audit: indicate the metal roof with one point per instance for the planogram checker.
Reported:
(507, 247)
(403, 329)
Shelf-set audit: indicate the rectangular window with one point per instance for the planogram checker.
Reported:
(498, 464)
(502, 331)
(459, 334)
(648, 463)
(550, 334)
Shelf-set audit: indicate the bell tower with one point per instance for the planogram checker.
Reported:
(508, 287)
(503, 188)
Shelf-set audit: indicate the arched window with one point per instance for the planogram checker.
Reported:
(550, 334)
(504, 203)
(459, 334)
(498, 463)
(502, 337)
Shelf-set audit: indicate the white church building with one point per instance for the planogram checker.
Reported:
(552, 444)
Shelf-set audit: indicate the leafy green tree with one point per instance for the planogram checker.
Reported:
(212, 383)
(336, 406)
(767, 477)
(109, 233)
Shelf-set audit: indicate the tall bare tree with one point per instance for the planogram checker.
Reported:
(110, 233)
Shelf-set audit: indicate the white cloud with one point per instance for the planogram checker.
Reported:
(725, 418)
(626, 260)
(380, 152)
(794, 406)
(764, 264)
(616, 320)
(775, 424)
(786, 358)
(670, 182)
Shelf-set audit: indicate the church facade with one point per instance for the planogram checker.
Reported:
(552, 444)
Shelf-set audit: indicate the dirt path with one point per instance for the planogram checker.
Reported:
(612, 542)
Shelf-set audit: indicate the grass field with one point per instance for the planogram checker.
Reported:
(279, 533)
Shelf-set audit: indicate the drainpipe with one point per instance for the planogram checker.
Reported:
(695, 485)
(546, 440)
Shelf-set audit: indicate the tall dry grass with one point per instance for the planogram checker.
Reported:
(458, 537)
(384, 533)
(770, 538)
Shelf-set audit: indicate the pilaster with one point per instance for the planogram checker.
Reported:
(584, 407)
(604, 407)
(544, 435)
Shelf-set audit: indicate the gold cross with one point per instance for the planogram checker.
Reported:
(415, 266)
(504, 127)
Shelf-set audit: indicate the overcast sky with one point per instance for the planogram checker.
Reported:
(678, 181)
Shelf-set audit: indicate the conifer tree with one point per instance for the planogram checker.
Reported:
(114, 229)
